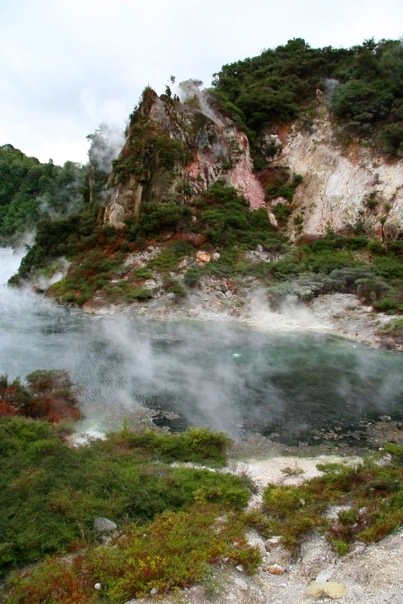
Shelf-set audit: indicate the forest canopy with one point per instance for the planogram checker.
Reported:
(30, 190)
(363, 86)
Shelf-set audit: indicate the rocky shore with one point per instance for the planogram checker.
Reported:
(219, 299)
(369, 574)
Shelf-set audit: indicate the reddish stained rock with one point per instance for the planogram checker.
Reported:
(203, 257)
(276, 569)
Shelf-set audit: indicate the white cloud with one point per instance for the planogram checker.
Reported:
(68, 65)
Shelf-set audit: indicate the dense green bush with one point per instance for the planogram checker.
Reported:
(198, 445)
(139, 293)
(156, 218)
(283, 186)
(30, 190)
(227, 221)
(391, 137)
(361, 104)
(51, 492)
(361, 84)
(170, 151)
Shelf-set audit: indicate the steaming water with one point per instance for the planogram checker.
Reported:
(212, 374)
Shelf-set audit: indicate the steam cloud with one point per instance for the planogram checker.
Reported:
(191, 89)
(330, 85)
(106, 144)
(213, 374)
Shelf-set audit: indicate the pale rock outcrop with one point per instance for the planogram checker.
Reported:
(174, 151)
(339, 182)
(104, 525)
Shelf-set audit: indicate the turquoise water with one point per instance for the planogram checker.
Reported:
(246, 381)
(211, 374)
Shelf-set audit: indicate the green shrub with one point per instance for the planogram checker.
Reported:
(51, 492)
(156, 218)
(283, 187)
(394, 328)
(372, 289)
(173, 551)
(170, 151)
(139, 294)
(193, 275)
(173, 286)
(389, 267)
(142, 273)
(282, 213)
(371, 496)
(228, 222)
(197, 444)
(391, 138)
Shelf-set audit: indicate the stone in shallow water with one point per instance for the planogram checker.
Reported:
(331, 589)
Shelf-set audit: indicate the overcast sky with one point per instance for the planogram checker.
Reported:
(66, 66)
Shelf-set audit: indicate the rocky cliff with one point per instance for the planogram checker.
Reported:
(343, 185)
(175, 150)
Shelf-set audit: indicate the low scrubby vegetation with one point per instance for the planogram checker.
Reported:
(174, 519)
(349, 264)
(394, 329)
(51, 492)
(173, 551)
(367, 504)
(173, 522)
(48, 395)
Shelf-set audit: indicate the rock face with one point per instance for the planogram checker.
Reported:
(175, 150)
(342, 185)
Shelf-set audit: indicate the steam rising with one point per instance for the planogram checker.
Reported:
(106, 144)
(191, 89)
(330, 85)
(214, 374)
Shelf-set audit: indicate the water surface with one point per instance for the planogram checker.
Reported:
(214, 374)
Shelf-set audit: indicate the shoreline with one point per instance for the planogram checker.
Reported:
(339, 315)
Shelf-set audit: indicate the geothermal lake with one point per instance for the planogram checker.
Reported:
(214, 374)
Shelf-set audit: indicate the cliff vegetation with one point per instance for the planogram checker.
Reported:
(287, 168)
(285, 175)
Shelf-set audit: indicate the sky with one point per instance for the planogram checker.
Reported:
(68, 66)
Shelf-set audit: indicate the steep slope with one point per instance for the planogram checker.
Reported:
(173, 152)
(343, 187)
